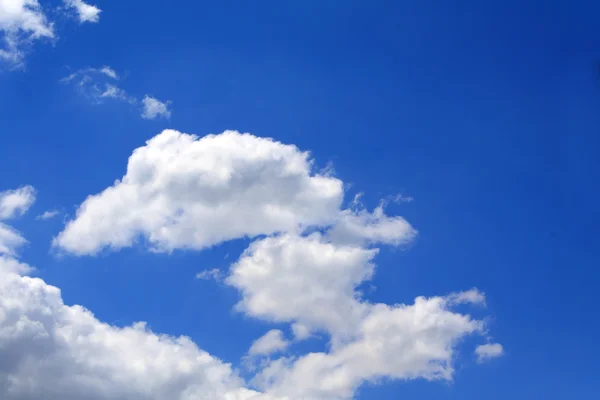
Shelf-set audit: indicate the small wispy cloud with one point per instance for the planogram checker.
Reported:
(99, 84)
(209, 274)
(154, 108)
(47, 215)
(488, 351)
(85, 12)
(108, 71)
(114, 92)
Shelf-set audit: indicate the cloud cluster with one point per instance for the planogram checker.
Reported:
(305, 266)
(100, 84)
(23, 22)
(49, 350)
(312, 282)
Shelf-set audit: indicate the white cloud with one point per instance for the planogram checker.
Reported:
(108, 71)
(154, 108)
(183, 192)
(48, 215)
(362, 226)
(85, 12)
(488, 351)
(84, 358)
(301, 332)
(306, 268)
(271, 342)
(114, 92)
(21, 22)
(98, 84)
(209, 274)
(398, 342)
(10, 240)
(312, 283)
(290, 278)
(16, 202)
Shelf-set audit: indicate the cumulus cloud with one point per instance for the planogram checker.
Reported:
(488, 351)
(84, 358)
(86, 12)
(154, 108)
(16, 202)
(184, 192)
(306, 280)
(271, 342)
(312, 282)
(398, 342)
(21, 23)
(304, 267)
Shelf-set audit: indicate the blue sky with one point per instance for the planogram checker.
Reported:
(485, 114)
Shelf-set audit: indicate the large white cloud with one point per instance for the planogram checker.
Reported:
(180, 191)
(53, 351)
(183, 192)
(49, 350)
(312, 281)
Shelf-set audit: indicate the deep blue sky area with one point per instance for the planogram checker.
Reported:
(486, 113)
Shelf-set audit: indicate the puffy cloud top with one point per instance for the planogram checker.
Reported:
(183, 192)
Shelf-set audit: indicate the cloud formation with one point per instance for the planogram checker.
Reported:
(184, 192)
(16, 202)
(86, 358)
(304, 267)
(85, 12)
(24, 22)
(13, 203)
(154, 108)
(100, 84)
(21, 23)
(488, 351)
